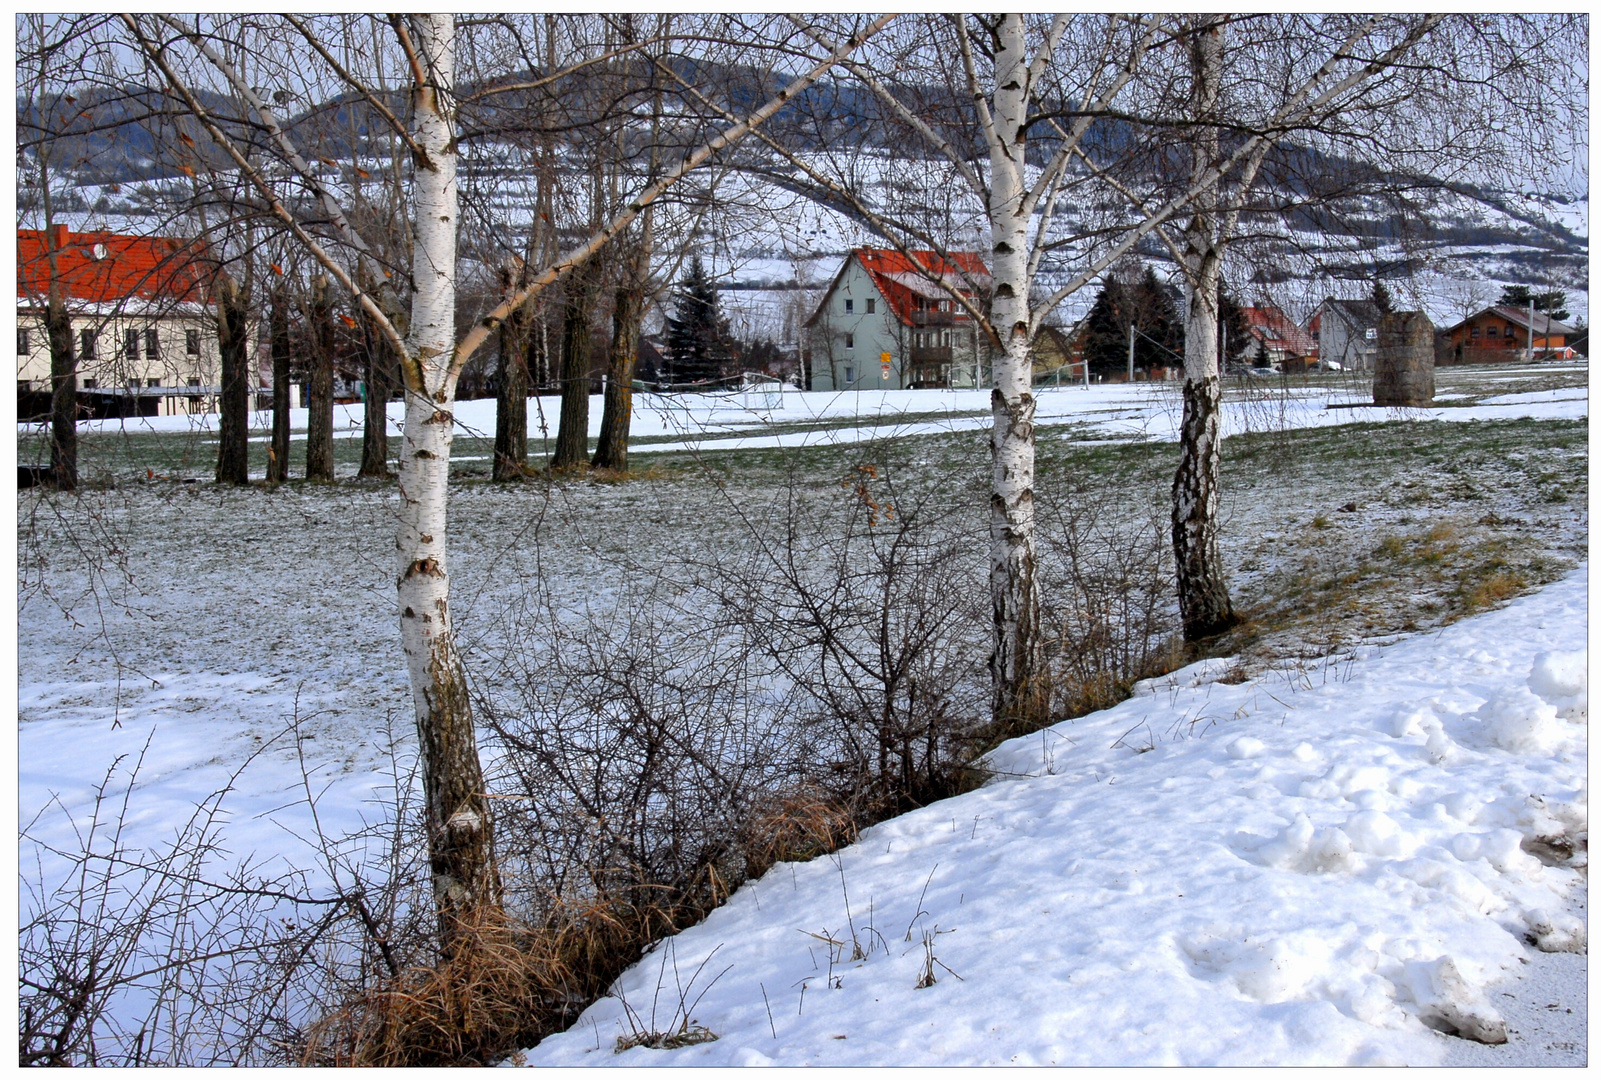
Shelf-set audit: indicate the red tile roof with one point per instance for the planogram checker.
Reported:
(902, 282)
(1278, 331)
(107, 268)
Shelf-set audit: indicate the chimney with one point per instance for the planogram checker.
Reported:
(58, 237)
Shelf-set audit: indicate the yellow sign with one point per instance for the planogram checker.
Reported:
(883, 358)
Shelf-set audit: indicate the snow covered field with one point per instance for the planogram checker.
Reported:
(795, 419)
(205, 628)
(1313, 867)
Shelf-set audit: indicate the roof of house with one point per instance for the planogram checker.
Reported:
(1519, 316)
(1358, 313)
(107, 268)
(902, 281)
(1278, 330)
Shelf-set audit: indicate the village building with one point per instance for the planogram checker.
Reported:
(143, 334)
(1345, 332)
(887, 322)
(1286, 346)
(1492, 335)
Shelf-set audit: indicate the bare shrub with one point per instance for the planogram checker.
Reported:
(871, 603)
(1106, 574)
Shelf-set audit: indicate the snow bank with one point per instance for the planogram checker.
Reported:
(1314, 867)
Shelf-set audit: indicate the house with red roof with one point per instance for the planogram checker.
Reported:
(143, 334)
(893, 321)
(1286, 346)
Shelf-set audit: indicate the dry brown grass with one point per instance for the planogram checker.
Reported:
(795, 826)
(1494, 588)
(487, 998)
(509, 984)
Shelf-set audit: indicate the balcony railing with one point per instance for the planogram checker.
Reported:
(929, 354)
(935, 318)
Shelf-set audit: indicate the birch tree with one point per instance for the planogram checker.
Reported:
(1391, 94)
(1007, 77)
(458, 822)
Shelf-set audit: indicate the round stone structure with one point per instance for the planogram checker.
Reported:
(1403, 366)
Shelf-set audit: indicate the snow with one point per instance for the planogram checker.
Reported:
(1317, 866)
(747, 421)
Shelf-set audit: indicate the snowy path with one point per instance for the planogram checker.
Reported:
(1310, 867)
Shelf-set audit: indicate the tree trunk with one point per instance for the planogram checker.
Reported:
(1017, 663)
(63, 393)
(233, 340)
(278, 450)
(457, 819)
(379, 378)
(572, 432)
(627, 318)
(320, 399)
(511, 398)
(1204, 607)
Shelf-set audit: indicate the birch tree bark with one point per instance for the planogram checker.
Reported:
(1017, 662)
(1204, 607)
(233, 342)
(460, 841)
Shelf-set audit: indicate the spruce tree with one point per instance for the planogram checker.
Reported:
(696, 331)
(1145, 303)
(1106, 329)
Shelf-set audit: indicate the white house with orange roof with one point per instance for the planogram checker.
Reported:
(889, 321)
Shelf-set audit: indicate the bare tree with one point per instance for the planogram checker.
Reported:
(1389, 96)
(235, 329)
(320, 386)
(278, 331)
(459, 829)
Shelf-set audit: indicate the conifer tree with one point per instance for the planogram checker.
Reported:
(696, 331)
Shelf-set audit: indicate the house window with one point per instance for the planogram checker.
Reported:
(194, 380)
(152, 344)
(133, 384)
(191, 342)
(22, 342)
(850, 341)
(152, 382)
(1474, 333)
(90, 384)
(872, 305)
(850, 306)
(130, 344)
(1491, 332)
(86, 344)
(850, 374)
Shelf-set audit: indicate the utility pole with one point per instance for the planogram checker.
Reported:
(1130, 352)
(1530, 358)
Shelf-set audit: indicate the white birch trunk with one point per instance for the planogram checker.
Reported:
(460, 852)
(1014, 591)
(1204, 606)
